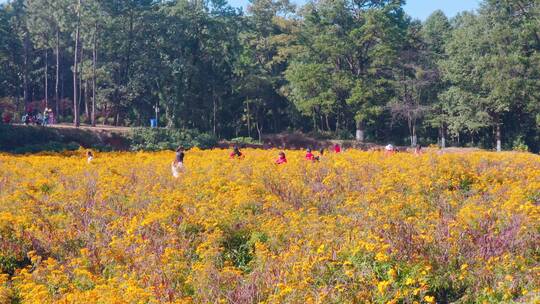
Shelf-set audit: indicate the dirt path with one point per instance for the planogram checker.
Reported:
(90, 128)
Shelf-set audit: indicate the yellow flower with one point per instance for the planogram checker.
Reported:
(392, 273)
(382, 286)
(223, 227)
(381, 257)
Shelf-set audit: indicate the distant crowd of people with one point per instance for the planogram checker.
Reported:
(38, 118)
(178, 167)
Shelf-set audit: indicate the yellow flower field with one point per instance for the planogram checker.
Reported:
(357, 227)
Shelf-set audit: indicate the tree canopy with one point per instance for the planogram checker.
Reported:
(342, 68)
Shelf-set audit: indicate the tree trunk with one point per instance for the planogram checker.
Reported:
(76, 122)
(94, 62)
(46, 79)
(327, 122)
(26, 95)
(81, 48)
(248, 118)
(259, 130)
(130, 45)
(106, 109)
(56, 99)
(214, 99)
(63, 107)
(86, 105)
(443, 138)
(413, 135)
(498, 137)
(337, 122)
(359, 132)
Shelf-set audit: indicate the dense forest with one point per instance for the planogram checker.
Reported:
(357, 69)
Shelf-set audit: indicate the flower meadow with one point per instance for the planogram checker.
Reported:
(356, 227)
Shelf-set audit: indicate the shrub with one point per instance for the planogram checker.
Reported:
(52, 146)
(30, 139)
(245, 141)
(520, 145)
(13, 137)
(155, 139)
(344, 135)
(326, 135)
(100, 120)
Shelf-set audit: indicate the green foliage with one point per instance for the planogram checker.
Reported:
(8, 264)
(238, 248)
(329, 65)
(245, 140)
(520, 145)
(154, 139)
(52, 146)
(15, 137)
(31, 139)
(325, 135)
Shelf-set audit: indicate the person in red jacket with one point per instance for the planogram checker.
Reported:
(309, 155)
(282, 159)
(236, 153)
(337, 148)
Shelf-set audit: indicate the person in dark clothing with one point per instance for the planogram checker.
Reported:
(179, 155)
(236, 153)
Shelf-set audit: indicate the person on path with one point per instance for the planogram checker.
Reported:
(45, 117)
(177, 165)
(282, 159)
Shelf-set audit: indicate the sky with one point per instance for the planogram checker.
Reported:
(418, 9)
(421, 9)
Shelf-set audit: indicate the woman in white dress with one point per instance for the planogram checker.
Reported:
(89, 156)
(177, 165)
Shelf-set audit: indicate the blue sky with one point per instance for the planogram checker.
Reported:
(419, 9)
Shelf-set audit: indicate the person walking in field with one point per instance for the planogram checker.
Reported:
(177, 165)
(309, 155)
(418, 150)
(282, 159)
(389, 150)
(236, 154)
(337, 148)
(89, 156)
